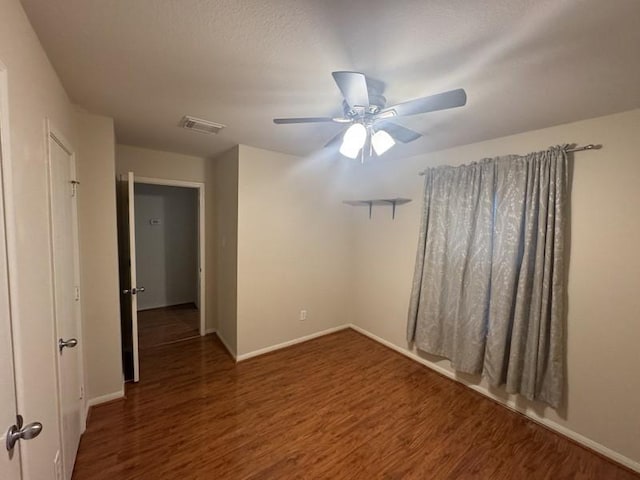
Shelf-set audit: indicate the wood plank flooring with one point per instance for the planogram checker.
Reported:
(337, 407)
(166, 325)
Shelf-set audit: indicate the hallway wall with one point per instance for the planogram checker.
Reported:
(100, 282)
(226, 266)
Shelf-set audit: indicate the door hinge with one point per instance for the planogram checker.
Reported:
(77, 294)
(81, 392)
(74, 187)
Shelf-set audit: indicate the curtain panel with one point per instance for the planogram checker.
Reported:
(488, 288)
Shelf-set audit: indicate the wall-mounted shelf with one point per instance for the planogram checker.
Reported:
(379, 201)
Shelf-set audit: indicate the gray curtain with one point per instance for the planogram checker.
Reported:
(488, 286)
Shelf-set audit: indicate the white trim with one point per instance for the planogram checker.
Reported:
(227, 346)
(200, 186)
(53, 135)
(168, 182)
(210, 331)
(550, 424)
(92, 402)
(59, 138)
(262, 351)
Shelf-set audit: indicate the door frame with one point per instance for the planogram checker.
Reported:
(6, 177)
(201, 234)
(52, 134)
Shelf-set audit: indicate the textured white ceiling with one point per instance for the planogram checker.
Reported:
(525, 64)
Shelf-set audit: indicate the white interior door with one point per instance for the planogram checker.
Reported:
(9, 460)
(129, 289)
(132, 274)
(64, 250)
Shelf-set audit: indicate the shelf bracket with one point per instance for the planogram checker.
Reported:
(394, 202)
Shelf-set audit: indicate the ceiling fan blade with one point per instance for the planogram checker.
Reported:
(335, 140)
(440, 101)
(353, 86)
(398, 132)
(284, 121)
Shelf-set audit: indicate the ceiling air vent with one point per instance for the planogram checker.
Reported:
(200, 126)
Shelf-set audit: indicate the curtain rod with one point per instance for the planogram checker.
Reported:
(591, 146)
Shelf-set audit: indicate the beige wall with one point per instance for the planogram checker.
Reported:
(144, 162)
(99, 257)
(35, 94)
(226, 175)
(293, 248)
(604, 306)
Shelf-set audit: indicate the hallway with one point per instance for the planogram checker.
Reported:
(339, 406)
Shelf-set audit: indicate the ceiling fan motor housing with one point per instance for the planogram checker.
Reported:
(376, 103)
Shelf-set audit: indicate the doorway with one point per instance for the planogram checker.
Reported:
(167, 266)
(163, 273)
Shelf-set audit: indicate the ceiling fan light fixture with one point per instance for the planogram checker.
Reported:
(349, 152)
(382, 141)
(353, 140)
(365, 108)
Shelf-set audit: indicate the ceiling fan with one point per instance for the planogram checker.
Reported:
(365, 110)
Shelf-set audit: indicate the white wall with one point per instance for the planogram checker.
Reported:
(603, 384)
(226, 200)
(293, 248)
(100, 284)
(167, 251)
(35, 94)
(174, 166)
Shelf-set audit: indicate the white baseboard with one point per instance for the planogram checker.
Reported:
(92, 402)
(209, 331)
(105, 398)
(231, 351)
(550, 424)
(262, 351)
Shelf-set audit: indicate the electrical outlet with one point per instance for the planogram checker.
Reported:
(303, 315)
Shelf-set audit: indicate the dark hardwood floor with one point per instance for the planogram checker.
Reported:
(168, 324)
(337, 407)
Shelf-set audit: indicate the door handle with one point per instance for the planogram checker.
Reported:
(72, 342)
(18, 432)
(133, 291)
